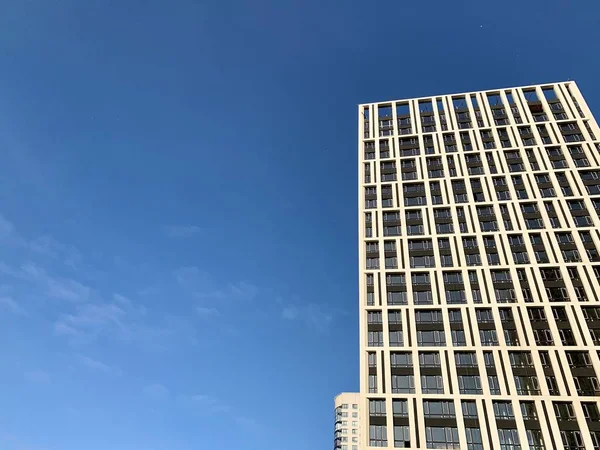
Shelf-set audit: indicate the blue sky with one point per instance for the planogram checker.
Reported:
(178, 202)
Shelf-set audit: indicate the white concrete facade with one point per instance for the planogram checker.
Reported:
(479, 218)
(347, 421)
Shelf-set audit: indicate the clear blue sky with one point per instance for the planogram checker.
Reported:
(178, 202)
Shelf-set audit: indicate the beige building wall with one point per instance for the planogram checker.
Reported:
(347, 421)
(479, 271)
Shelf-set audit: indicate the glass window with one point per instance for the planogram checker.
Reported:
(494, 384)
(520, 359)
(439, 408)
(401, 359)
(431, 338)
(469, 409)
(455, 316)
(564, 411)
(375, 338)
(458, 338)
(372, 359)
(403, 384)
(428, 316)
(488, 337)
(503, 410)
(535, 440)
(509, 439)
(591, 412)
(401, 436)
(474, 440)
(377, 436)
(400, 408)
(373, 384)
(377, 407)
(432, 384)
(442, 437)
(422, 298)
(429, 359)
(397, 298)
(469, 384)
(396, 339)
(527, 385)
(394, 317)
(484, 315)
(528, 411)
(465, 359)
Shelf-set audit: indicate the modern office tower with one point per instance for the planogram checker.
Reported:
(347, 419)
(479, 271)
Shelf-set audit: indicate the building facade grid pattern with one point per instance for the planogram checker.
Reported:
(347, 421)
(479, 219)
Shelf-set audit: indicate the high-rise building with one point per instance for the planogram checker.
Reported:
(347, 421)
(479, 271)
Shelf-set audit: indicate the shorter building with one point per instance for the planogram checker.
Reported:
(347, 416)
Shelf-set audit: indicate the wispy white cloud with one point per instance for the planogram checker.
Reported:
(179, 328)
(181, 231)
(53, 286)
(87, 313)
(8, 304)
(127, 303)
(318, 317)
(90, 322)
(67, 289)
(48, 246)
(191, 278)
(249, 423)
(15, 442)
(203, 404)
(212, 405)
(61, 328)
(43, 245)
(99, 366)
(207, 403)
(200, 284)
(156, 391)
(6, 228)
(10, 271)
(238, 291)
(92, 319)
(206, 312)
(290, 312)
(21, 166)
(37, 376)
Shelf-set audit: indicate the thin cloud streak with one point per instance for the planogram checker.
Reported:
(43, 245)
(37, 376)
(207, 403)
(6, 228)
(99, 366)
(93, 321)
(156, 391)
(181, 231)
(55, 287)
(315, 316)
(8, 304)
(239, 291)
(289, 313)
(198, 283)
(210, 404)
(206, 312)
